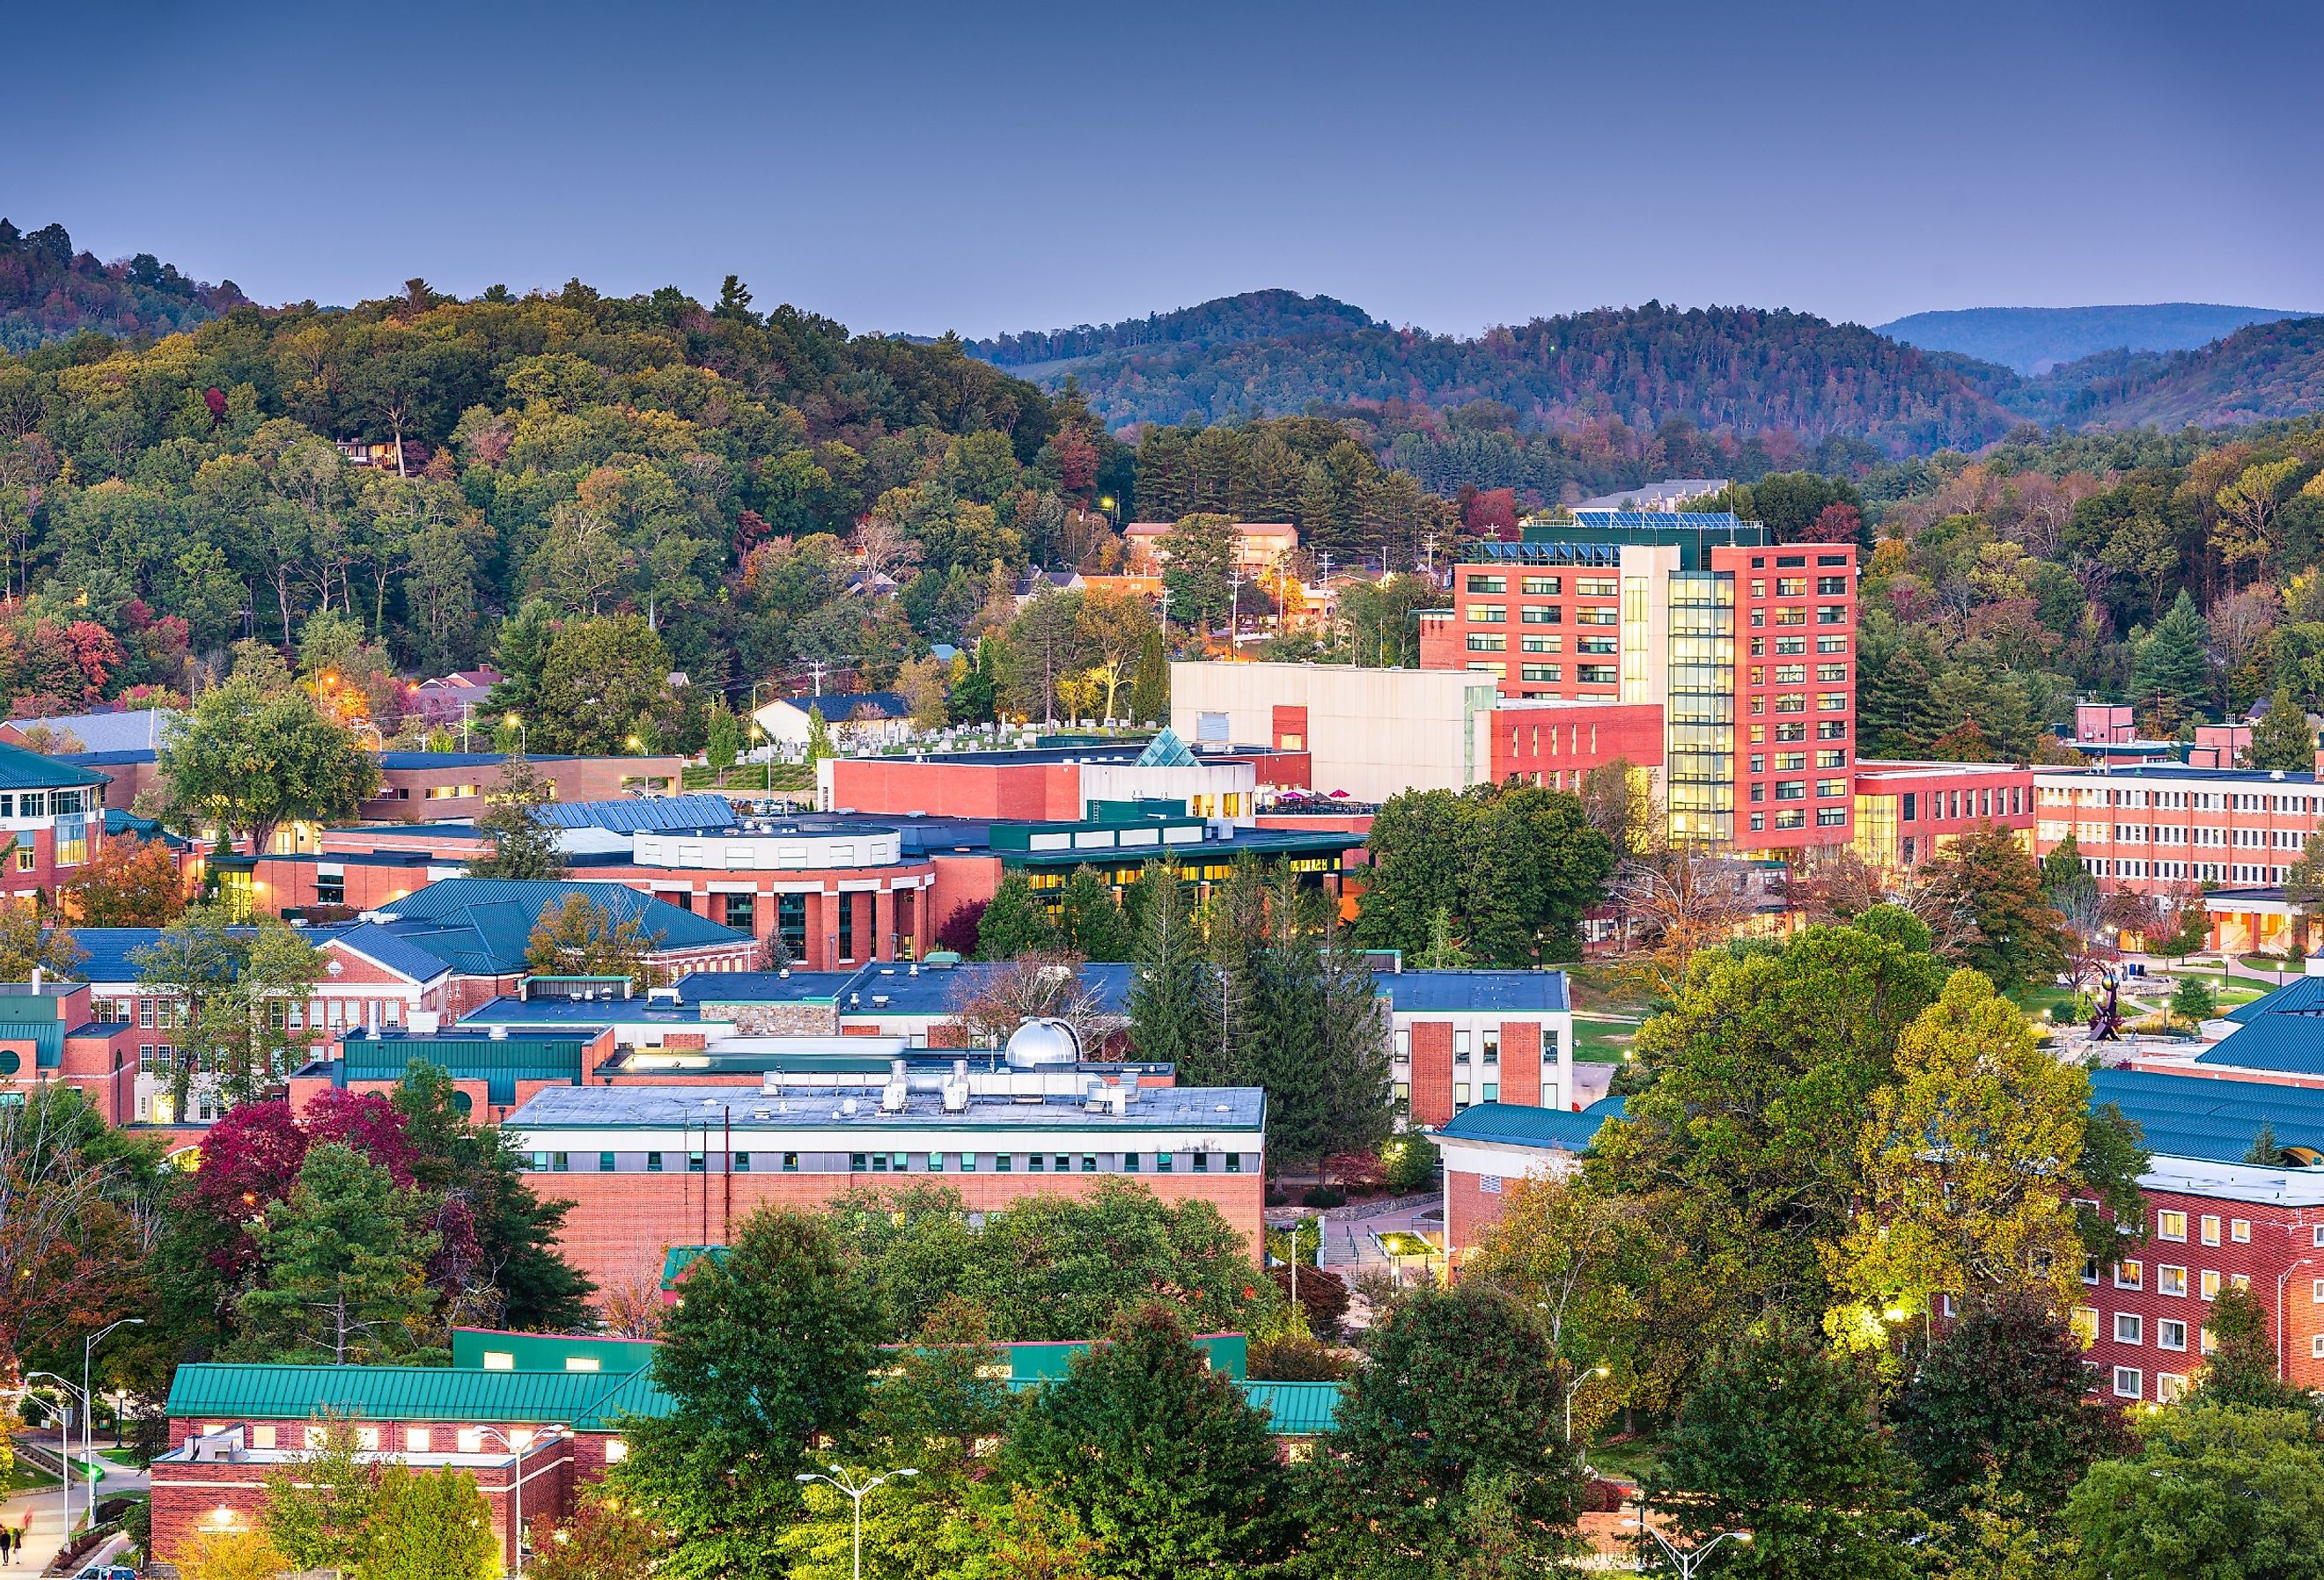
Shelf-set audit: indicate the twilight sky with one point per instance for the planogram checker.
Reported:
(1002, 166)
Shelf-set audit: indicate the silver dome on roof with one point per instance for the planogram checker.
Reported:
(1043, 1044)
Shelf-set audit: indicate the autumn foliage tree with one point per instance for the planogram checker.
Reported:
(127, 882)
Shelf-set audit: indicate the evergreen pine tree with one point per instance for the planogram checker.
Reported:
(1149, 688)
(1090, 924)
(973, 698)
(2241, 1369)
(2067, 884)
(1353, 1046)
(2282, 739)
(1285, 1017)
(2173, 677)
(1234, 935)
(523, 846)
(343, 1267)
(1015, 923)
(1169, 976)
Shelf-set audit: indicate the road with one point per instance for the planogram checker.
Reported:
(46, 1507)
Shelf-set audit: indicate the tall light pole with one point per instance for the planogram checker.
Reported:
(1688, 1562)
(516, 1485)
(64, 1450)
(88, 1400)
(848, 1484)
(1576, 1388)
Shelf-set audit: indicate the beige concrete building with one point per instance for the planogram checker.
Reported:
(1371, 733)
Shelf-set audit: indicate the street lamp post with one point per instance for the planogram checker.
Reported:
(1688, 1562)
(1576, 1388)
(516, 1485)
(523, 736)
(64, 1450)
(88, 1400)
(848, 1484)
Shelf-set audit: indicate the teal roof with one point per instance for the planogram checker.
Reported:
(481, 927)
(1295, 1410)
(1520, 1124)
(597, 1400)
(2214, 1120)
(2282, 1032)
(500, 1062)
(585, 1400)
(2303, 995)
(24, 770)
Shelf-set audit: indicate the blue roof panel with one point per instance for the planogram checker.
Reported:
(1479, 990)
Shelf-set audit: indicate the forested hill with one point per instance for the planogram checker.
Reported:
(1255, 315)
(47, 291)
(2265, 371)
(1719, 368)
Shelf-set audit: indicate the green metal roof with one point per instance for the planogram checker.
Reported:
(1295, 1410)
(586, 1401)
(599, 1401)
(24, 770)
(499, 1062)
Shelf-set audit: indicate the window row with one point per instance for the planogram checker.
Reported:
(897, 1163)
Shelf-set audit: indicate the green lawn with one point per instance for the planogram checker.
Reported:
(1628, 1459)
(2040, 1001)
(24, 1478)
(1602, 1041)
(1603, 988)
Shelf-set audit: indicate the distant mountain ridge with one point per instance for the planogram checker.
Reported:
(1736, 370)
(1740, 369)
(2035, 340)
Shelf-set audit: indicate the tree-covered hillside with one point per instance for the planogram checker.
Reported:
(2182, 572)
(2265, 371)
(1721, 369)
(1255, 315)
(49, 291)
(573, 455)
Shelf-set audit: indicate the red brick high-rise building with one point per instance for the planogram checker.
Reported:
(1747, 645)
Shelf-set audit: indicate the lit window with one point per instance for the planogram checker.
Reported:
(2168, 1388)
(499, 1361)
(2130, 1275)
(2211, 1229)
(2239, 1231)
(2170, 1226)
(616, 1451)
(2170, 1281)
(415, 1439)
(2211, 1286)
(471, 1440)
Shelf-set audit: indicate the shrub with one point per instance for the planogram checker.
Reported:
(1412, 1164)
(1324, 1196)
(1295, 1357)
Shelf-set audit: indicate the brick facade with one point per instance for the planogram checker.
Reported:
(1431, 1095)
(620, 1224)
(2164, 1281)
(191, 1498)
